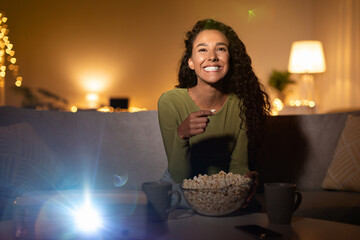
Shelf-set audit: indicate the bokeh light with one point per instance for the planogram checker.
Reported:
(73, 109)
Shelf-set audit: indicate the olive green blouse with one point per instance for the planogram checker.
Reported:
(223, 145)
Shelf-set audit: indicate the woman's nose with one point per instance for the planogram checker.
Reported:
(212, 56)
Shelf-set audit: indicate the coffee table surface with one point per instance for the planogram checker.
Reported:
(202, 227)
(184, 224)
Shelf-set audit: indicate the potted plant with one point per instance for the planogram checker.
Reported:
(41, 99)
(280, 80)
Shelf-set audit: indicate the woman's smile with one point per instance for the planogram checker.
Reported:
(212, 68)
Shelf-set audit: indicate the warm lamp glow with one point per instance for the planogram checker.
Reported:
(94, 82)
(92, 100)
(307, 57)
(92, 97)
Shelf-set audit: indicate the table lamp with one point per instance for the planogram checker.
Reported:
(306, 58)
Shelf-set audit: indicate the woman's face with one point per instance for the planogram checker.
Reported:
(210, 56)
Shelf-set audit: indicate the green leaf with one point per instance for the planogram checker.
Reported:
(280, 79)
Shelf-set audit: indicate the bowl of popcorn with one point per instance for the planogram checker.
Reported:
(216, 195)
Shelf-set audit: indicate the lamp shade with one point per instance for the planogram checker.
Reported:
(307, 57)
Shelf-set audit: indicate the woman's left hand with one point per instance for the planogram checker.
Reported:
(255, 183)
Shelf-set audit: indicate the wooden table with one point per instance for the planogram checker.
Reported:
(183, 225)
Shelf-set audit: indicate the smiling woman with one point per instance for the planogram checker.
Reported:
(213, 120)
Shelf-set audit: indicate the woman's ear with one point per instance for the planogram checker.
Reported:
(191, 64)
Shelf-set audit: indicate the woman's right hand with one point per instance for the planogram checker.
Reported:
(194, 124)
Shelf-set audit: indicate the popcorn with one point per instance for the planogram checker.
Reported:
(215, 181)
(217, 194)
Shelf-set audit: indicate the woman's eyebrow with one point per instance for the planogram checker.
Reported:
(205, 44)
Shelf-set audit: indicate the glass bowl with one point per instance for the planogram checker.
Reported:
(217, 201)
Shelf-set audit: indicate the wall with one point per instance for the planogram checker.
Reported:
(135, 46)
(338, 27)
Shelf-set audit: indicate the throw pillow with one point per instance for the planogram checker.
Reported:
(344, 170)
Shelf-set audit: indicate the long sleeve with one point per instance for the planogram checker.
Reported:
(239, 155)
(177, 149)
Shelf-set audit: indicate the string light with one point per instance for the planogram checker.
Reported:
(277, 106)
(299, 103)
(18, 81)
(73, 109)
(7, 48)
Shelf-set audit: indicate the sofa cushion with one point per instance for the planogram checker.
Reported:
(291, 150)
(344, 170)
(26, 162)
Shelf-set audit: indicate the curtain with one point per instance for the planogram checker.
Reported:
(337, 25)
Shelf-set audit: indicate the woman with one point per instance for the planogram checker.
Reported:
(213, 119)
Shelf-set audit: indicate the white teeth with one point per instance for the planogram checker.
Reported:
(211, 68)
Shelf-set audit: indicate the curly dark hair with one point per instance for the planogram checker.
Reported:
(240, 80)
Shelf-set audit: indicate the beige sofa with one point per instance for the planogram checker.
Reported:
(49, 150)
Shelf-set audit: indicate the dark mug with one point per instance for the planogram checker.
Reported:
(158, 196)
(282, 200)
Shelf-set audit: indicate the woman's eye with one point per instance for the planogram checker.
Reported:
(202, 50)
(222, 49)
